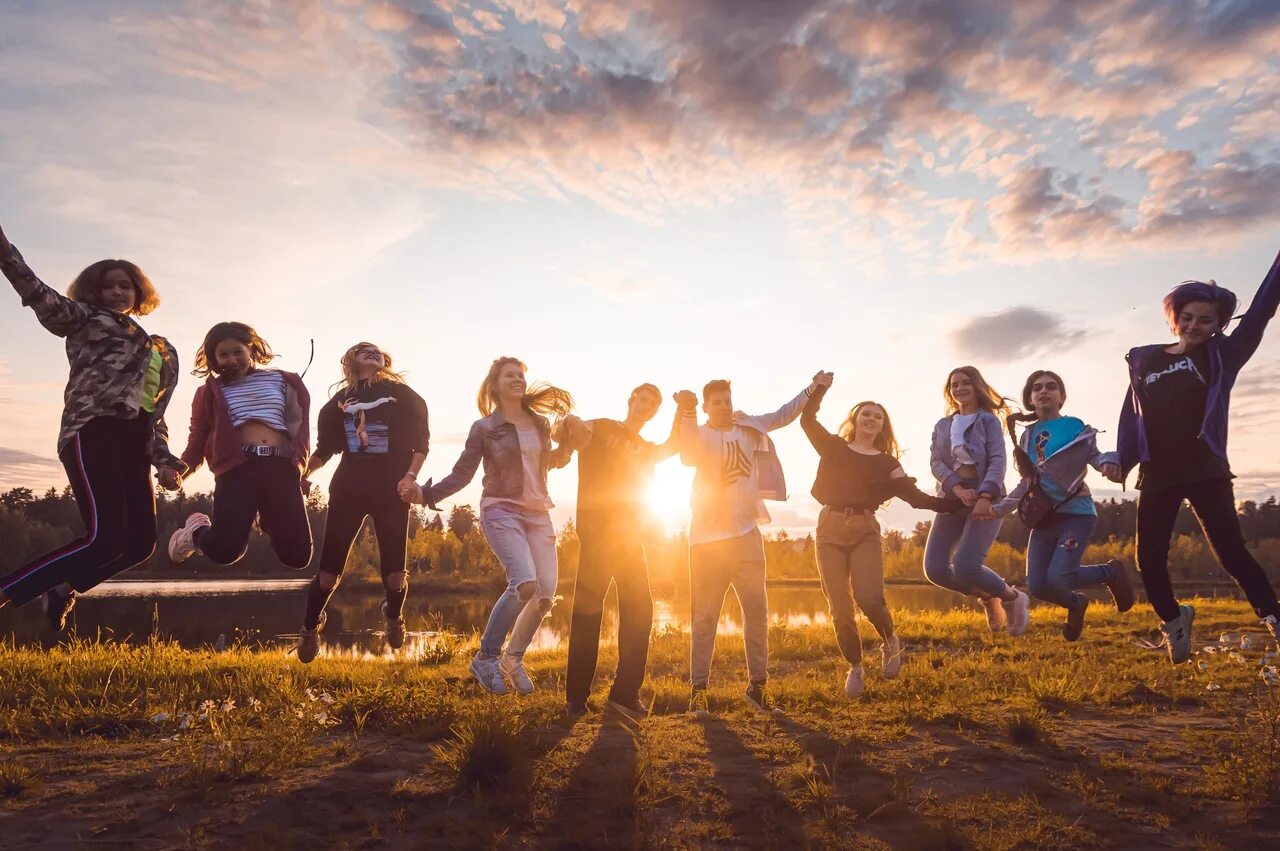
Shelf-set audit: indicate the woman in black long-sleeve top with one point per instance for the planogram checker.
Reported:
(858, 472)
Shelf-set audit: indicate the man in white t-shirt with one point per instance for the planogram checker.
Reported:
(737, 468)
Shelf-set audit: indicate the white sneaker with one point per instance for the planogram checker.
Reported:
(996, 617)
(182, 543)
(1177, 634)
(1020, 614)
(487, 674)
(853, 683)
(513, 669)
(891, 656)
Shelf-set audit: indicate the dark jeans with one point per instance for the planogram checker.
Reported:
(358, 491)
(1214, 504)
(606, 558)
(110, 475)
(266, 488)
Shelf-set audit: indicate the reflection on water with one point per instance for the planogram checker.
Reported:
(269, 613)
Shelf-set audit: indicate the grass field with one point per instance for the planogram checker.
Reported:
(984, 742)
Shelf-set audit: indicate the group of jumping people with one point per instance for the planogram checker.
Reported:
(251, 425)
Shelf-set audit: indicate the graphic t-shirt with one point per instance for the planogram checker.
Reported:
(1172, 390)
(726, 501)
(1046, 438)
(383, 422)
(613, 472)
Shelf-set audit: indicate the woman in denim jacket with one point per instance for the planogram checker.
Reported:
(967, 457)
(513, 440)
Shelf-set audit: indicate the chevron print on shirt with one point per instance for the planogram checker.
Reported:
(734, 463)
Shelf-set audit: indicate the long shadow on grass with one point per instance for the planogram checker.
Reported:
(758, 815)
(597, 807)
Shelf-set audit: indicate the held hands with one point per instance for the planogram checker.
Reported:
(1112, 473)
(574, 432)
(822, 379)
(408, 491)
(167, 476)
(968, 496)
(686, 401)
(982, 509)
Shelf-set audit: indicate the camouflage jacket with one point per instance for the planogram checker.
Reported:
(109, 354)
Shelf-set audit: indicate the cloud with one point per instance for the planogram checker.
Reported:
(18, 467)
(1014, 333)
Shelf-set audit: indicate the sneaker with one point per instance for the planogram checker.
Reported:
(633, 708)
(513, 669)
(699, 705)
(1075, 619)
(996, 617)
(487, 674)
(853, 683)
(395, 629)
(1121, 588)
(759, 698)
(575, 710)
(1177, 635)
(891, 656)
(57, 605)
(1019, 614)
(1270, 622)
(182, 543)
(309, 641)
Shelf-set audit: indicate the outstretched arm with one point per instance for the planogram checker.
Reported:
(787, 413)
(1243, 342)
(59, 314)
(464, 470)
(822, 440)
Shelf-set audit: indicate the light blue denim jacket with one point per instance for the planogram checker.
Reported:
(985, 441)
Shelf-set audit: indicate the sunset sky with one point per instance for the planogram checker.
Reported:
(659, 190)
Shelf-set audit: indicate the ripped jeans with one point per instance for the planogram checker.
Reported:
(1054, 552)
(525, 543)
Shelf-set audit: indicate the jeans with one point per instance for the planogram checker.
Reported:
(714, 568)
(851, 566)
(1054, 552)
(607, 558)
(525, 543)
(1214, 504)
(110, 475)
(265, 488)
(954, 552)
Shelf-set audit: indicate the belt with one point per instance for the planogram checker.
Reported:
(850, 511)
(264, 451)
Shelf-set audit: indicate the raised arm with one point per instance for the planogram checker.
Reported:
(57, 313)
(688, 441)
(464, 470)
(1241, 343)
(822, 440)
(783, 416)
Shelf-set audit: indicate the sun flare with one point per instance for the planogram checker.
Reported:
(668, 495)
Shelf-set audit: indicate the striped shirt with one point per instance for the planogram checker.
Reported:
(259, 395)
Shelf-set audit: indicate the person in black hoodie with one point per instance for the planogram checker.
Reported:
(858, 471)
(379, 425)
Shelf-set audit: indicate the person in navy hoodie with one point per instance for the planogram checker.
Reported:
(1173, 428)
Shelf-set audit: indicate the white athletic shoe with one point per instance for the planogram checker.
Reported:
(513, 669)
(891, 655)
(182, 543)
(1177, 634)
(997, 619)
(487, 674)
(1020, 614)
(853, 683)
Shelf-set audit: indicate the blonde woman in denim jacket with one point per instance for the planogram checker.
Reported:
(513, 441)
(967, 457)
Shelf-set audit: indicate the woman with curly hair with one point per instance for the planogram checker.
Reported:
(250, 425)
(113, 428)
(513, 440)
(379, 425)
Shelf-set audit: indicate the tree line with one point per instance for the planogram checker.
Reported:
(452, 551)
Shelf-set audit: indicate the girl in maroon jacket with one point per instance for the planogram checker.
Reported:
(250, 425)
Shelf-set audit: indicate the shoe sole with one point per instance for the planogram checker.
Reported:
(514, 685)
(1191, 616)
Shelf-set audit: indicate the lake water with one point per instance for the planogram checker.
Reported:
(208, 613)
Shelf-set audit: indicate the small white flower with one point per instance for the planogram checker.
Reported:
(1213, 687)
(322, 718)
(1236, 657)
(228, 705)
(255, 704)
(185, 722)
(326, 698)
(311, 695)
(207, 706)
(298, 713)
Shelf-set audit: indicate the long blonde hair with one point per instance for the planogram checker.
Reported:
(539, 398)
(988, 398)
(885, 441)
(349, 379)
